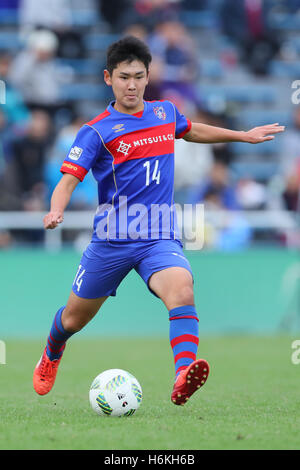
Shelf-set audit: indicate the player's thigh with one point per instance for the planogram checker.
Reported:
(174, 286)
(79, 311)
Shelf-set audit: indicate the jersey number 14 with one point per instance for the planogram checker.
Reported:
(155, 174)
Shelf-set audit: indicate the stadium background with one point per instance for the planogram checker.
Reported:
(223, 62)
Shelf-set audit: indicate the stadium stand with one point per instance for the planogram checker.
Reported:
(224, 84)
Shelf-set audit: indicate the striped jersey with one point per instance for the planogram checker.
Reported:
(131, 157)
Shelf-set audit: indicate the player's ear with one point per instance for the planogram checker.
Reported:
(147, 76)
(107, 78)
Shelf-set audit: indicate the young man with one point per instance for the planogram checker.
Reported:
(130, 150)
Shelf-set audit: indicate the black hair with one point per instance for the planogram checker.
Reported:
(127, 49)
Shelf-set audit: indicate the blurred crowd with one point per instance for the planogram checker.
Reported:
(38, 125)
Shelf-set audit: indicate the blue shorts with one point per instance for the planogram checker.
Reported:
(104, 265)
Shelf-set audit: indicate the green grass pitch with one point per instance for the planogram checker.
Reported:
(250, 401)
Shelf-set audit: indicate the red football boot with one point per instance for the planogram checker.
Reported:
(189, 380)
(44, 374)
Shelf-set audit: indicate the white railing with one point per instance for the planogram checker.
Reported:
(284, 221)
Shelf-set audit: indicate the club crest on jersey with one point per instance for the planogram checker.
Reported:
(160, 112)
(123, 148)
(75, 153)
(118, 127)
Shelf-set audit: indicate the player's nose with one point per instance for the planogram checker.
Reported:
(131, 85)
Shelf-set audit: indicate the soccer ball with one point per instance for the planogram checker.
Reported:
(115, 392)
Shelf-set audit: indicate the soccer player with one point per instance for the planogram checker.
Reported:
(130, 150)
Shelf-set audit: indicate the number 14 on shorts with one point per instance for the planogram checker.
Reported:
(78, 278)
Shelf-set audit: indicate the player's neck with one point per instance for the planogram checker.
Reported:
(121, 109)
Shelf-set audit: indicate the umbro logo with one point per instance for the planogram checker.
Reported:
(118, 128)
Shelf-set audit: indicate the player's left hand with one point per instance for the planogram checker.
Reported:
(263, 133)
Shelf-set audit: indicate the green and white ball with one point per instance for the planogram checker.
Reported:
(115, 392)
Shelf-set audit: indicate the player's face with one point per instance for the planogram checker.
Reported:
(128, 82)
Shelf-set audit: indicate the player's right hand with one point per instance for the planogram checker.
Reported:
(52, 219)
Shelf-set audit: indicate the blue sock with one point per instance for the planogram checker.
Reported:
(57, 337)
(184, 336)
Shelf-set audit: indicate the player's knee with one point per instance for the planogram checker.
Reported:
(183, 296)
(72, 322)
(72, 326)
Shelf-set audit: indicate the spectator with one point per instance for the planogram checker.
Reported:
(14, 109)
(152, 12)
(172, 44)
(117, 13)
(28, 161)
(291, 192)
(137, 30)
(235, 232)
(251, 195)
(54, 15)
(35, 73)
(218, 182)
(8, 198)
(246, 23)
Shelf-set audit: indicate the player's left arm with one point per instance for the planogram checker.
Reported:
(204, 133)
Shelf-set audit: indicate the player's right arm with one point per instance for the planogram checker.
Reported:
(84, 152)
(59, 200)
